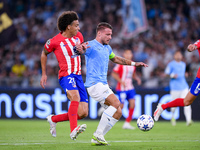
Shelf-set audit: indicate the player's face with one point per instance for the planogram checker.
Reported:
(128, 54)
(178, 56)
(74, 27)
(106, 36)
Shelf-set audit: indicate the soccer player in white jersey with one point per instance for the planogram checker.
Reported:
(97, 58)
(65, 46)
(125, 90)
(178, 85)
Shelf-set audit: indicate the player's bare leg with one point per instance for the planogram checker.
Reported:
(127, 124)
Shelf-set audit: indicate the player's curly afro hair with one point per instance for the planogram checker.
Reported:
(65, 19)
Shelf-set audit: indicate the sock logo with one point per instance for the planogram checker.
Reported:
(108, 119)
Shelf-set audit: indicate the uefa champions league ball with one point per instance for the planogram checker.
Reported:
(145, 122)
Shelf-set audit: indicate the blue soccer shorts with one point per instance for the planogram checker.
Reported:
(74, 82)
(195, 88)
(126, 95)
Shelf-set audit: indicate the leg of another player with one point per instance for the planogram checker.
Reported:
(188, 100)
(173, 120)
(127, 124)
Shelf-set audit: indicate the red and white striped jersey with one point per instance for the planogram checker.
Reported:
(126, 75)
(69, 62)
(197, 43)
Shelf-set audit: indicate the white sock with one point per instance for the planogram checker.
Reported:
(173, 111)
(188, 113)
(110, 124)
(105, 119)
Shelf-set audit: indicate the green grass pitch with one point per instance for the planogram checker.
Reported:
(35, 135)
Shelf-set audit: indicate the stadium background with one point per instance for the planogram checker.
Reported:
(164, 27)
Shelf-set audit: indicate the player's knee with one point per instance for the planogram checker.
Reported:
(116, 104)
(83, 114)
(73, 97)
(119, 111)
(188, 102)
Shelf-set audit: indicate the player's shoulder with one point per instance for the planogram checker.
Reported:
(92, 43)
(80, 36)
(55, 38)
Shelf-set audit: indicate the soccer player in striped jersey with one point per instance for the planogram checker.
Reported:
(191, 95)
(125, 89)
(178, 85)
(97, 58)
(65, 45)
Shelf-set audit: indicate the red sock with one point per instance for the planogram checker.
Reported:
(129, 118)
(175, 103)
(62, 117)
(72, 113)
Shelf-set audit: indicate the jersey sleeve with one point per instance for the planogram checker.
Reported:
(111, 54)
(80, 36)
(197, 43)
(168, 69)
(49, 45)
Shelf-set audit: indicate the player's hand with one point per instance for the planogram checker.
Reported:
(43, 81)
(85, 46)
(140, 64)
(191, 47)
(81, 48)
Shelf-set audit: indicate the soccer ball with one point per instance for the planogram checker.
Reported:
(145, 122)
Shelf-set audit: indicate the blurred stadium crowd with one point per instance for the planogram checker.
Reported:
(173, 24)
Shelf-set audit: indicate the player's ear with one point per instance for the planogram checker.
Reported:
(68, 27)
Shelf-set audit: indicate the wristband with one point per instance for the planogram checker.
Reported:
(133, 63)
(172, 75)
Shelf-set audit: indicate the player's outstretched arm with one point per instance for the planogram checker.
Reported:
(123, 61)
(43, 66)
(191, 47)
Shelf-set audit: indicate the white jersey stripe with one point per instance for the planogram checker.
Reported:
(123, 77)
(75, 58)
(67, 57)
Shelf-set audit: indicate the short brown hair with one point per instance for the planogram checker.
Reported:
(65, 19)
(102, 26)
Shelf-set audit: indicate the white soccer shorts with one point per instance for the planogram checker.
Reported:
(99, 92)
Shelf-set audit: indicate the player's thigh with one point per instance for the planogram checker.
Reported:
(81, 89)
(193, 93)
(112, 100)
(68, 84)
(131, 98)
(188, 100)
